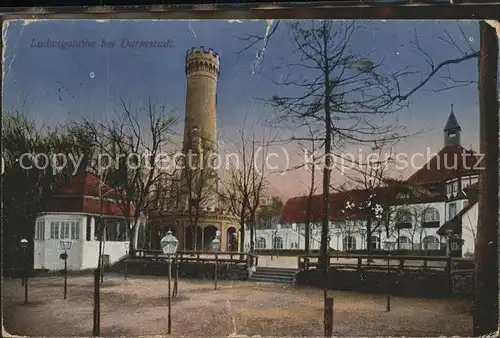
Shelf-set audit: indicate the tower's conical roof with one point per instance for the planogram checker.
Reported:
(452, 122)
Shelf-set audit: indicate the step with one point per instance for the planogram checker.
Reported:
(274, 273)
(285, 278)
(273, 277)
(281, 277)
(272, 280)
(269, 268)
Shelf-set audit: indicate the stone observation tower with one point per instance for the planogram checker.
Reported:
(200, 132)
(202, 72)
(200, 129)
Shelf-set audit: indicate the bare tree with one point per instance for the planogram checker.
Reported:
(416, 232)
(435, 66)
(344, 91)
(247, 183)
(372, 175)
(469, 230)
(28, 181)
(311, 166)
(200, 177)
(258, 183)
(135, 153)
(268, 214)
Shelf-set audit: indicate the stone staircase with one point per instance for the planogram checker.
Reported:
(274, 275)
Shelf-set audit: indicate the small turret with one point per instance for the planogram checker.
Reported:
(452, 130)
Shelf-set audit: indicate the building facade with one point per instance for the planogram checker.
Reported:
(441, 220)
(76, 212)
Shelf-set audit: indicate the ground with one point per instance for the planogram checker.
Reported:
(138, 306)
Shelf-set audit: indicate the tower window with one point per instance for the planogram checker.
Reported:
(452, 135)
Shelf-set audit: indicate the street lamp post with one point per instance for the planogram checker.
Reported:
(169, 246)
(65, 246)
(216, 248)
(338, 238)
(24, 248)
(125, 260)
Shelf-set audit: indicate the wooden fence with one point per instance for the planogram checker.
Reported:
(230, 257)
(400, 263)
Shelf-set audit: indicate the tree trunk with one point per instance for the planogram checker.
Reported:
(485, 316)
(307, 234)
(252, 227)
(242, 239)
(369, 239)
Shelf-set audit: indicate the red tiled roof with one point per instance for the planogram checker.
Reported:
(82, 195)
(450, 162)
(295, 208)
(86, 185)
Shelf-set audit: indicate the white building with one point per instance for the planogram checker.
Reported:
(443, 219)
(73, 213)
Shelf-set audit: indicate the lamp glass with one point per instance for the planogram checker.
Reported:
(216, 244)
(24, 243)
(169, 244)
(65, 245)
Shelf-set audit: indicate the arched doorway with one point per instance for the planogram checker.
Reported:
(209, 234)
(232, 239)
(277, 243)
(261, 243)
(194, 238)
(430, 243)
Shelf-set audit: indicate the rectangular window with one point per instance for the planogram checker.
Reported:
(75, 230)
(465, 203)
(65, 227)
(40, 230)
(452, 210)
(54, 230)
(474, 180)
(455, 186)
(465, 182)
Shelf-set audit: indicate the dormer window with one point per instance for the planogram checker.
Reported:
(452, 186)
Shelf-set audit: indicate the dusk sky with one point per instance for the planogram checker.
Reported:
(64, 85)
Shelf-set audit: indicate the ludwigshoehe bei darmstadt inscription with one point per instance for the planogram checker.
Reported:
(103, 43)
